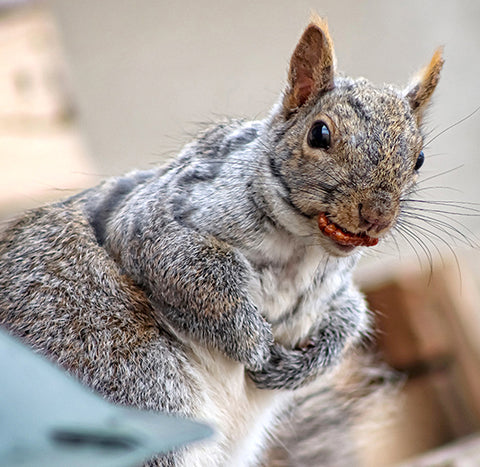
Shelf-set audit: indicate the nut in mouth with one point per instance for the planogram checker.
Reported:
(341, 236)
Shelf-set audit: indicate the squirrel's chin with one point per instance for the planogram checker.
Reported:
(336, 249)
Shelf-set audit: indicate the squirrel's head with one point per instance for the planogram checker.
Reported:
(347, 152)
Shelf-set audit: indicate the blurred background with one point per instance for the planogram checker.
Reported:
(92, 88)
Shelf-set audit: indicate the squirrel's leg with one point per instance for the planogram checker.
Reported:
(201, 285)
(345, 320)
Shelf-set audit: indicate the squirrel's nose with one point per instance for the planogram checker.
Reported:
(374, 217)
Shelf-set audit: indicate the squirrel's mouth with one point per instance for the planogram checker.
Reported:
(341, 236)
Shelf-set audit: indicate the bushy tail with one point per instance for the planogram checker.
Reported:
(330, 419)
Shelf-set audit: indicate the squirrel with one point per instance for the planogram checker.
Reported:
(218, 285)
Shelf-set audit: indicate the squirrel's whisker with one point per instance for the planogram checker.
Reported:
(453, 125)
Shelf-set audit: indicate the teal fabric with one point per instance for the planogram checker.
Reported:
(48, 419)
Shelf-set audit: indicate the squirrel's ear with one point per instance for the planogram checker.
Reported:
(422, 86)
(311, 66)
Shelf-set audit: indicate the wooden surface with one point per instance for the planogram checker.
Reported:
(429, 329)
(463, 453)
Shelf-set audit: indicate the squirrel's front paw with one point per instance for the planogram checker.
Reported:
(292, 368)
(287, 368)
(254, 345)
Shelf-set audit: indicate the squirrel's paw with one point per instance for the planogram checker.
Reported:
(255, 342)
(284, 369)
(292, 368)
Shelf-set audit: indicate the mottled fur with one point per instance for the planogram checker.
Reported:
(205, 287)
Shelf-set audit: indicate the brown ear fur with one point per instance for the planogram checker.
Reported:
(311, 66)
(422, 87)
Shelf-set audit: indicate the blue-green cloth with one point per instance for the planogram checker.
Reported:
(47, 418)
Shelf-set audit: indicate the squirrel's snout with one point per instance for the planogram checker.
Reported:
(375, 217)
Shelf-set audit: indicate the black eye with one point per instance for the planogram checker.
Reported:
(420, 160)
(319, 136)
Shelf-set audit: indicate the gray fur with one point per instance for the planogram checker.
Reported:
(155, 285)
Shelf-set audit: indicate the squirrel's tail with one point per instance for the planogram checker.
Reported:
(331, 419)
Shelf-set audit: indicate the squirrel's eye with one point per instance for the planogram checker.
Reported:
(420, 160)
(319, 136)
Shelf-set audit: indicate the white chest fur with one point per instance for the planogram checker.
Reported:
(240, 413)
(293, 285)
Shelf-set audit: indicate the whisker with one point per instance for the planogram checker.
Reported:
(472, 212)
(446, 228)
(423, 232)
(440, 174)
(453, 125)
(410, 239)
(416, 189)
(452, 251)
(469, 211)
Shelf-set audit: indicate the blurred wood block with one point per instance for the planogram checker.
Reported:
(42, 153)
(463, 453)
(429, 328)
(413, 331)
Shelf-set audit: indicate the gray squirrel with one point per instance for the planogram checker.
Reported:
(218, 285)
